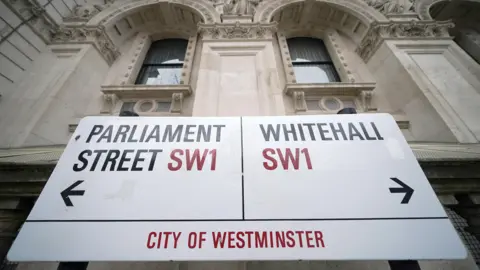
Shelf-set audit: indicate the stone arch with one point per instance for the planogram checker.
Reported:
(423, 7)
(360, 9)
(201, 7)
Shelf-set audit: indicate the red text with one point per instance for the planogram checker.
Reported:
(193, 159)
(286, 156)
(268, 239)
(163, 239)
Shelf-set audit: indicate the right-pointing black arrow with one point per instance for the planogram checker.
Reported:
(70, 192)
(404, 189)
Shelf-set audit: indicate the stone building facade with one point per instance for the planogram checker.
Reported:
(62, 60)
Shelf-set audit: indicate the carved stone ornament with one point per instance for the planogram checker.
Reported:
(35, 16)
(240, 7)
(109, 102)
(380, 31)
(238, 31)
(299, 103)
(177, 103)
(85, 12)
(366, 97)
(95, 35)
(391, 6)
(266, 9)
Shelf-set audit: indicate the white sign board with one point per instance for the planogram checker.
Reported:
(336, 187)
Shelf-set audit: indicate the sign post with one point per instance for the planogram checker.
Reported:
(252, 188)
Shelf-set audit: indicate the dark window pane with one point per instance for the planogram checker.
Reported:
(156, 75)
(163, 62)
(166, 51)
(127, 106)
(311, 61)
(315, 73)
(163, 106)
(308, 50)
(313, 105)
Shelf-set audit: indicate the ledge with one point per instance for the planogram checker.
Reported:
(402, 121)
(146, 91)
(337, 89)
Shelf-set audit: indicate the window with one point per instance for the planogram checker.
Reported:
(163, 63)
(311, 61)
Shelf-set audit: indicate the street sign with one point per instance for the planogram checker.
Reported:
(333, 187)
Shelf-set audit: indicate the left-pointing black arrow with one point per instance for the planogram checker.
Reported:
(70, 192)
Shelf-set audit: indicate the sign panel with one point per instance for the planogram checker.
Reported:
(336, 187)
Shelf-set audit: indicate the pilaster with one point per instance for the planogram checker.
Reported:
(238, 74)
(421, 71)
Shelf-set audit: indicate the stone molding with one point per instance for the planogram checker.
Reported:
(299, 102)
(174, 93)
(188, 60)
(145, 91)
(109, 103)
(205, 9)
(134, 58)
(361, 91)
(358, 8)
(83, 13)
(177, 103)
(286, 60)
(95, 35)
(422, 7)
(366, 97)
(35, 16)
(418, 30)
(389, 7)
(237, 31)
(330, 89)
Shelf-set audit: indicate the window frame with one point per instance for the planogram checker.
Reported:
(120, 83)
(315, 63)
(333, 45)
(349, 85)
(143, 67)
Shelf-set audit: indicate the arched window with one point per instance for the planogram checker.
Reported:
(163, 63)
(311, 61)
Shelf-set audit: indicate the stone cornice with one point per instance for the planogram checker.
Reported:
(243, 31)
(398, 30)
(95, 35)
(146, 91)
